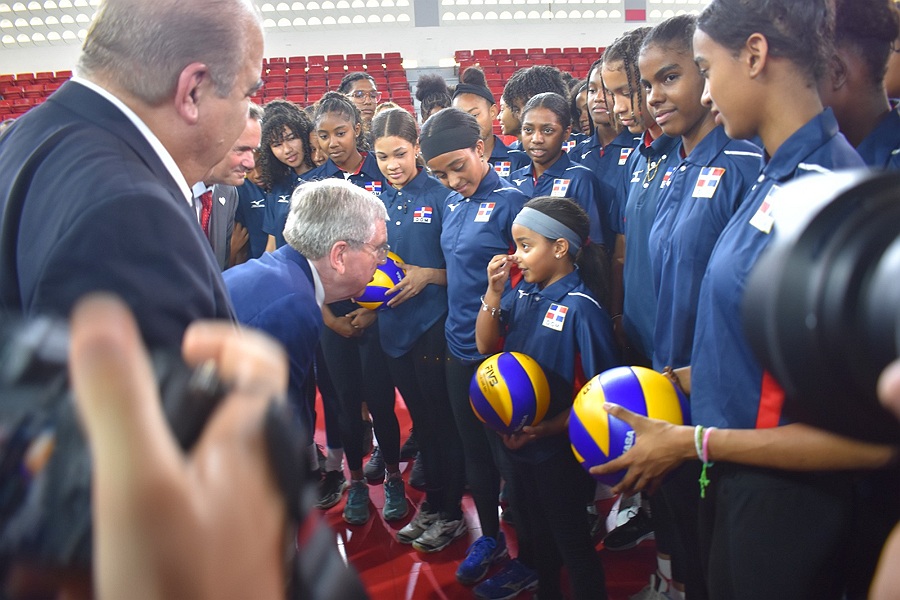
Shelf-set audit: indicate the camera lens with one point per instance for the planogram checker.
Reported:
(822, 305)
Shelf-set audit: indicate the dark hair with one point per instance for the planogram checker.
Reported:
(338, 103)
(573, 104)
(278, 115)
(474, 82)
(432, 92)
(449, 123)
(676, 33)
(395, 122)
(870, 27)
(350, 78)
(553, 102)
(525, 83)
(801, 31)
(625, 49)
(591, 259)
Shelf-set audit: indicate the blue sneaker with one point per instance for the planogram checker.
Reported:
(483, 552)
(513, 579)
(395, 504)
(356, 511)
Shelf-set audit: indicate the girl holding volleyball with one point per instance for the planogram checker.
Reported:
(556, 316)
(774, 521)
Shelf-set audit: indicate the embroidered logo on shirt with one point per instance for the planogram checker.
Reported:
(503, 168)
(556, 317)
(560, 187)
(284, 199)
(666, 178)
(452, 207)
(764, 217)
(708, 181)
(519, 182)
(374, 187)
(484, 212)
(261, 203)
(636, 176)
(624, 153)
(569, 145)
(422, 215)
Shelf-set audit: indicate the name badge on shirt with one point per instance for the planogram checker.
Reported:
(503, 168)
(556, 317)
(484, 212)
(624, 153)
(422, 215)
(374, 187)
(560, 187)
(666, 178)
(708, 182)
(764, 217)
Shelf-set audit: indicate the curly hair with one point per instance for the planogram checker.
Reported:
(281, 116)
(528, 82)
(432, 92)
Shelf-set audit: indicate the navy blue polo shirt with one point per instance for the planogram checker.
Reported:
(415, 215)
(565, 179)
(251, 212)
(475, 230)
(505, 160)
(569, 334)
(278, 205)
(574, 140)
(728, 386)
(703, 193)
(881, 149)
(651, 168)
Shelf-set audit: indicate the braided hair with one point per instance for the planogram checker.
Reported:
(625, 49)
(338, 103)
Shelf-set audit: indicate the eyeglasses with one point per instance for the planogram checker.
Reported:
(362, 95)
(381, 251)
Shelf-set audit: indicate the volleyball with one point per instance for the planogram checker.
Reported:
(509, 391)
(386, 276)
(597, 437)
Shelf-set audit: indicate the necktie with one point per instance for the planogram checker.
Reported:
(205, 211)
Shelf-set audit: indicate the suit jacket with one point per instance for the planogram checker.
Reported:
(87, 205)
(221, 222)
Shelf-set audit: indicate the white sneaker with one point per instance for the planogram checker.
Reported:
(441, 533)
(417, 526)
(656, 590)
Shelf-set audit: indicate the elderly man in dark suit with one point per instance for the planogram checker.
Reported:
(216, 197)
(95, 194)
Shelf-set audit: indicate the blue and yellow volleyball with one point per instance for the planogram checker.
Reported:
(509, 391)
(597, 437)
(386, 276)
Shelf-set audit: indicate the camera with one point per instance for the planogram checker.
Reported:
(822, 305)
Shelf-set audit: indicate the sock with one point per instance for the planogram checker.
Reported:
(335, 459)
(664, 566)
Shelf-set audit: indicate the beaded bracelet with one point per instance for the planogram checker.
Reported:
(491, 309)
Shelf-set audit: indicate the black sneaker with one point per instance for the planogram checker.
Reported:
(417, 475)
(410, 447)
(630, 534)
(331, 487)
(374, 469)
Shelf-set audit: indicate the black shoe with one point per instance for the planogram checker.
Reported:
(368, 437)
(631, 533)
(331, 487)
(410, 447)
(374, 469)
(417, 475)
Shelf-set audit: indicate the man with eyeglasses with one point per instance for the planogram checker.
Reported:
(336, 238)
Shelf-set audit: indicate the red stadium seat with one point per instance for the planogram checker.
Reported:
(462, 55)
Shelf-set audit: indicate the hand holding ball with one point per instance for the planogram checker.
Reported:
(386, 276)
(509, 391)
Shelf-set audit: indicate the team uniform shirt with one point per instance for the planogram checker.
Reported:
(703, 194)
(569, 334)
(506, 160)
(651, 169)
(415, 215)
(279, 294)
(574, 140)
(251, 212)
(729, 388)
(278, 204)
(881, 149)
(610, 165)
(475, 230)
(564, 179)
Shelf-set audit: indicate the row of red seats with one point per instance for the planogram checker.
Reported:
(42, 77)
(514, 53)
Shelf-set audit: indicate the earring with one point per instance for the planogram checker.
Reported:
(557, 256)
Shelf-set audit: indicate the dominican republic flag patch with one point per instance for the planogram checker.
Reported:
(764, 217)
(708, 181)
(666, 178)
(560, 187)
(422, 215)
(569, 145)
(556, 317)
(484, 212)
(624, 153)
(503, 168)
(374, 187)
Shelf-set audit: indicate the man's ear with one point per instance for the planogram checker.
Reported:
(193, 82)
(337, 258)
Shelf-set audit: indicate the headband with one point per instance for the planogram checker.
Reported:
(447, 140)
(478, 90)
(548, 227)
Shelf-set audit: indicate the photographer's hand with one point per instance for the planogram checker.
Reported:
(208, 525)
